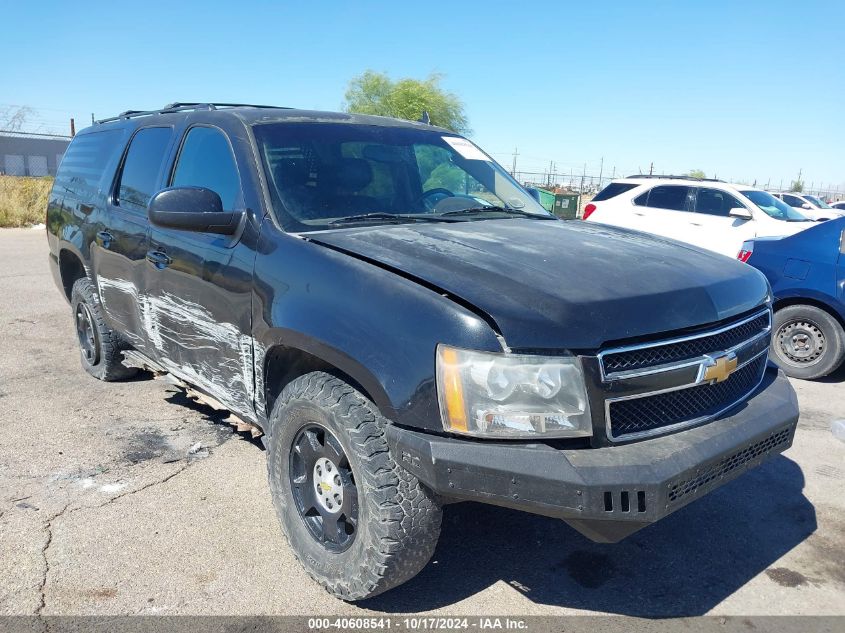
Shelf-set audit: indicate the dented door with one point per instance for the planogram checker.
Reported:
(199, 284)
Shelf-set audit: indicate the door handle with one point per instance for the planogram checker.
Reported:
(158, 259)
(696, 223)
(104, 238)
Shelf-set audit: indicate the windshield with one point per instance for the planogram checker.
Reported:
(323, 175)
(773, 207)
(821, 204)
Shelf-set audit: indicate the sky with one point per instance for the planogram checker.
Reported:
(746, 91)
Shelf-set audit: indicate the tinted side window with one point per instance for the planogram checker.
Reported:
(715, 202)
(206, 161)
(670, 197)
(141, 166)
(793, 201)
(613, 190)
(642, 199)
(81, 169)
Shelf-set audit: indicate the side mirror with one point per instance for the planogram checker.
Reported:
(806, 205)
(740, 212)
(192, 209)
(534, 193)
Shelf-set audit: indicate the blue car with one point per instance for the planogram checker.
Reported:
(807, 274)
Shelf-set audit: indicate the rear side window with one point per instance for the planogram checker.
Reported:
(141, 167)
(672, 197)
(84, 162)
(793, 201)
(715, 202)
(613, 190)
(206, 161)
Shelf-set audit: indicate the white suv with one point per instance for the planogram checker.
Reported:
(708, 213)
(808, 205)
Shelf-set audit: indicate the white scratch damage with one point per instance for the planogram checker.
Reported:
(212, 355)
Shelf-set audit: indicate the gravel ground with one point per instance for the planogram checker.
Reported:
(103, 510)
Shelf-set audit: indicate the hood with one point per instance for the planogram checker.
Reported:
(819, 214)
(781, 228)
(563, 285)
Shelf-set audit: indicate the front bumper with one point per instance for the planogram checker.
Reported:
(611, 492)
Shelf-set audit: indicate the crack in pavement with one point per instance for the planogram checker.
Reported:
(48, 526)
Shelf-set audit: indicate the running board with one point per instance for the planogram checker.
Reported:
(135, 359)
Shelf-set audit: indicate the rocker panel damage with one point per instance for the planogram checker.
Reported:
(184, 329)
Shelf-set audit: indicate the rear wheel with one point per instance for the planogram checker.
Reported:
(358, 522)
(99, 347)
(807, 342)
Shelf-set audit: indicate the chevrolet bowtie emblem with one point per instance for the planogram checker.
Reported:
(718, 368)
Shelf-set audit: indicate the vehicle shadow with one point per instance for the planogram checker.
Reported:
(835, 377)
(217, 417)
(683, 565)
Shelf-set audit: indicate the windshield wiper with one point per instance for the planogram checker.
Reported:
(496, 209)
(384, 218)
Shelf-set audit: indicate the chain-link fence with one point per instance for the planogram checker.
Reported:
(28, 154)
(588, 184)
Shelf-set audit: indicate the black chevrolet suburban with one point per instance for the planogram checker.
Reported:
(408, 327)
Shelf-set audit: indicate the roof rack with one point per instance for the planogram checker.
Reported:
(179, 106)
(672, 177)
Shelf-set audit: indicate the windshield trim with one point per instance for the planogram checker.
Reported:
(792, 215)
(487, 178)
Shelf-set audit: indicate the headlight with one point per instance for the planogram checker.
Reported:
(511, 395)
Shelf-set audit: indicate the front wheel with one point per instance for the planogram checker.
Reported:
(358, 522)
(807, 342)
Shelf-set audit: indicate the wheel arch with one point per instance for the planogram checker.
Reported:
(786, 302)
(283, 362)
(71, 269)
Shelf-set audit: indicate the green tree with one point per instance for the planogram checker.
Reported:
(696, 173)
(797, 186)
(376, 93)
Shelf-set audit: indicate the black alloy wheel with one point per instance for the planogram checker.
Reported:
(87, 335)
(324, 489)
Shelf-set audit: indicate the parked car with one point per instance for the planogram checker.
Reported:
(808, 205)
(407, 326)
(839, 205)
(711, 214)
(807, 274)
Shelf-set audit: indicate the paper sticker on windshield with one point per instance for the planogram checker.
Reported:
(465, 148)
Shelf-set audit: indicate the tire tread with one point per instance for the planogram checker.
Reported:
(403, 538)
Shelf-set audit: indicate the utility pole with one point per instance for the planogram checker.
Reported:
(92, 118)
(601, 170)
(72, 127)
(613, 175)
(583, 173)
(515, 154)
(651, 169)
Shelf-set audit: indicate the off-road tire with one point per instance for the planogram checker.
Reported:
(828, 331)
(398, 518)
(106, 364)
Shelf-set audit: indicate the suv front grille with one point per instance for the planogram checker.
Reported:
(669, 384)
(684, 405)
(633, 359)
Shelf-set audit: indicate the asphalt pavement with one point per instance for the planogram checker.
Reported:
(108, 506)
